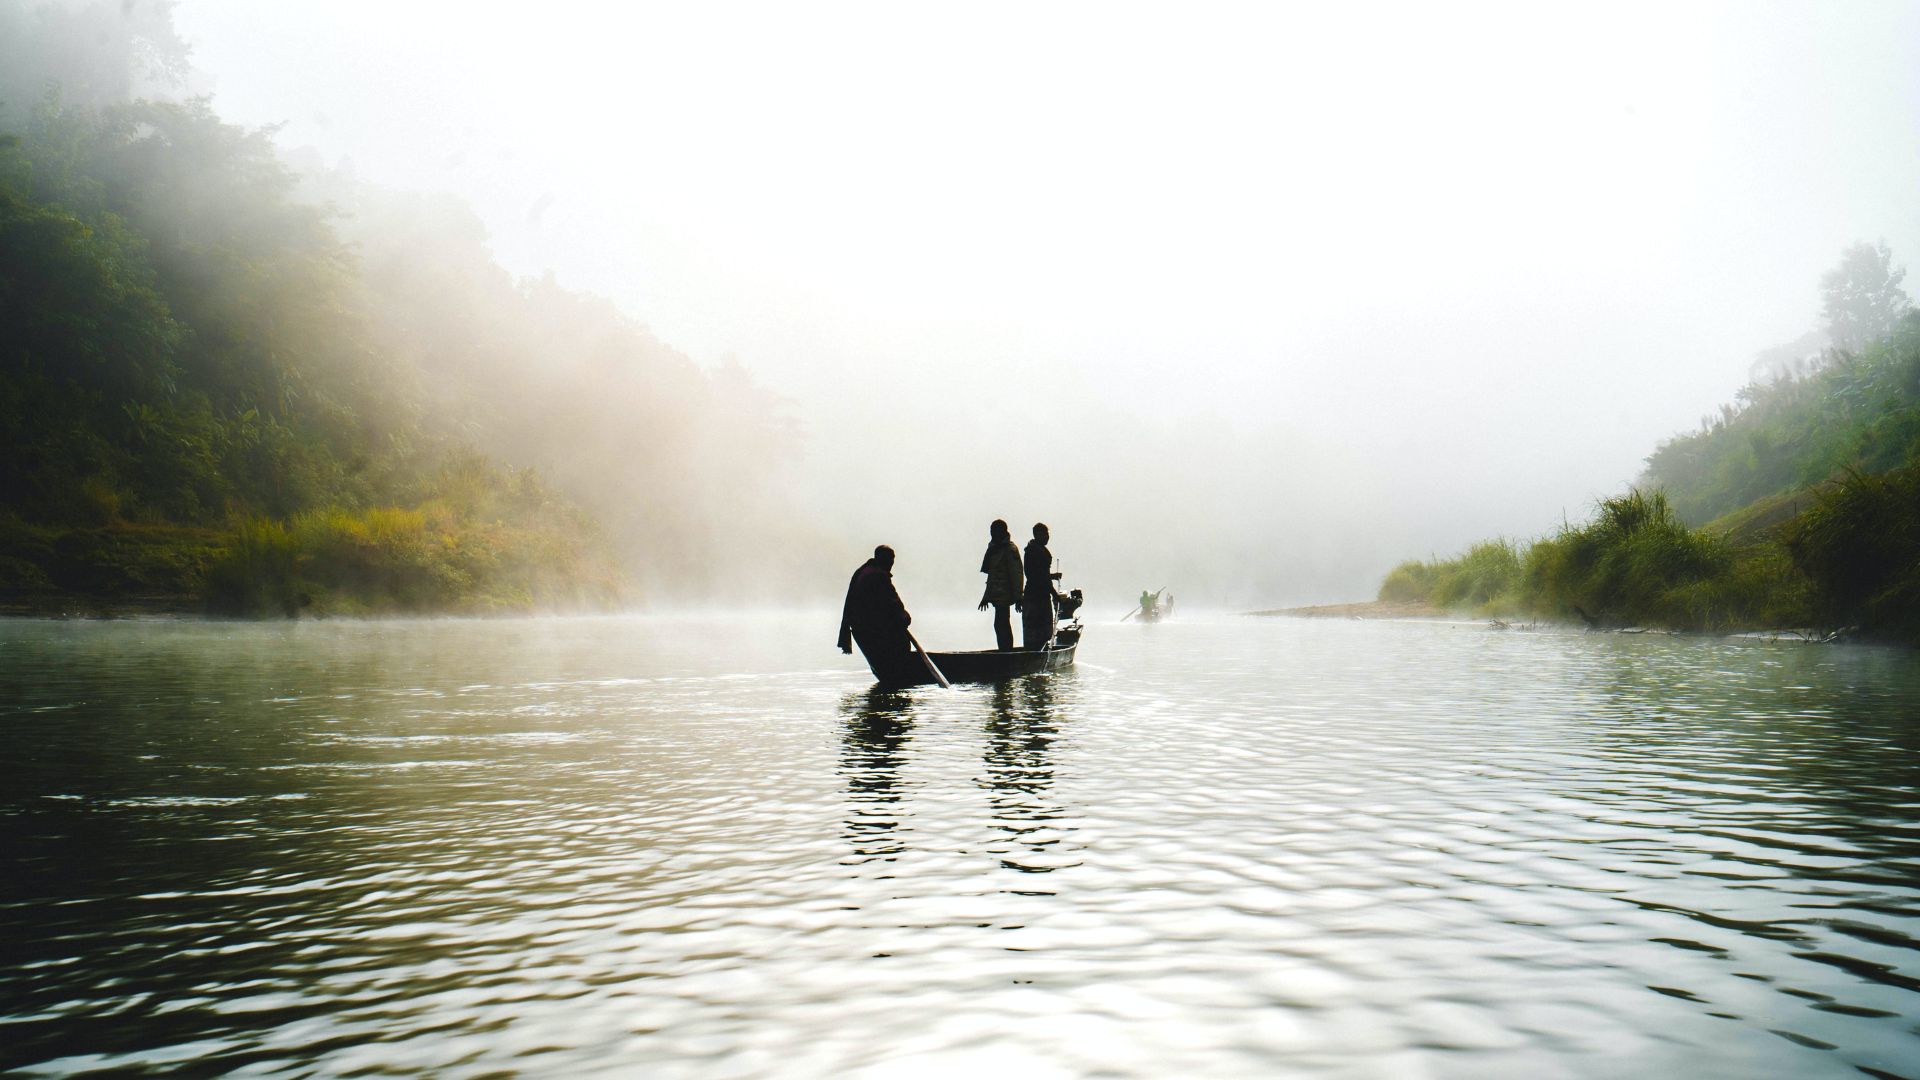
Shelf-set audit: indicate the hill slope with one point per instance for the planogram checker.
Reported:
(1797, 507)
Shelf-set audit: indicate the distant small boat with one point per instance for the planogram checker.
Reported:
(1151, 608)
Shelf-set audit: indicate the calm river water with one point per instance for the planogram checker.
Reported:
(704, 847)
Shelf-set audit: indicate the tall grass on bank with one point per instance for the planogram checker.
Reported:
(113, 567)
(1410, 582)
(1483, 579)
(430, 558)
(258, 574)
(1635, 563)
(1860, 545)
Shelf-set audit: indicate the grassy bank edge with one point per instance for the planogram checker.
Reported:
(1840, 559)
(422, 560)
(1365, 609)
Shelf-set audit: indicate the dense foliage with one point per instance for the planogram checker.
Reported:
(223, 380)
(1798, 507)
(1852, 409)
(1860, 543)
(1486, 574)
(1634, 564)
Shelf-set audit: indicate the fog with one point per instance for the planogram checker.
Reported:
(1250, 302)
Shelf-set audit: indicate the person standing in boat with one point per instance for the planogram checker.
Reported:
(1001, 564)
(875, 617)
(1036, 603)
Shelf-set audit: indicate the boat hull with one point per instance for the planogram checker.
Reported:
(981, 666)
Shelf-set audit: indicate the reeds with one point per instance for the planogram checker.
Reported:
(1860, 545)
(258, 573)
(1633, 564)
(1410, 582)
(429, 558)
(1483, 578)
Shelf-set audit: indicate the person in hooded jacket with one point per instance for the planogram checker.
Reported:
(1005, 583)
(875, 617)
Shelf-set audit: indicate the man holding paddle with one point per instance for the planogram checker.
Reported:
(875, 616)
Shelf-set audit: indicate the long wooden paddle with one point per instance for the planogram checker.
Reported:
(928, 660)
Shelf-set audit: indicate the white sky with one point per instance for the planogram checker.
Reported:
(1473, 261)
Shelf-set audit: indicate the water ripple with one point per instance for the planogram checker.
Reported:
(689, 847)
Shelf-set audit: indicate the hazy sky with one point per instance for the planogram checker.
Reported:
(1450, 269)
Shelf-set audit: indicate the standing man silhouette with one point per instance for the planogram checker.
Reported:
(1036, 604)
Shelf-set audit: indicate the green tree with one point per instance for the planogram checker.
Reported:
(98, 52)
(193, 338)
(1861, 297)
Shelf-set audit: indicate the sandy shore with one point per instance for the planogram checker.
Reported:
(1367, 609)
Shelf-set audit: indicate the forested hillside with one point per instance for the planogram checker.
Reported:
(1797, 506)
(228, 384)
(1855, 405)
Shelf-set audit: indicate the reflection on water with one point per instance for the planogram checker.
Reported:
(700, 847)
(1021, 730)
(1020, 727)
(879, 725)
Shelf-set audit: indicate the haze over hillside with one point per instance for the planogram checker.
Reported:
(1251, 302)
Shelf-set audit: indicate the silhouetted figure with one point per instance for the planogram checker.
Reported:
(1166, 606)
(1036, 604)
(1005, 583)
(1147, 603)
(875, 618)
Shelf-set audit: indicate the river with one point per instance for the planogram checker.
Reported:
(703, 847)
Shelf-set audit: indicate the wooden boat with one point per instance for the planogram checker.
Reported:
(1152, 611)
(982, 665)
(991, 665)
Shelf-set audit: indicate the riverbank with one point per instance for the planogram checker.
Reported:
(1797, 507)
(433, 559)
(111, 571)
(1845, 563)
(1367, 609)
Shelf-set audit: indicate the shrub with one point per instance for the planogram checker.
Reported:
(1484, 577)
(258, 572)
(1410, 582)
(382, 559)
(429, 558)
(1487, 573)
(1635, 562)
(1860, 544)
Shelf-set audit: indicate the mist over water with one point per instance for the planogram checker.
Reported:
(708, 847)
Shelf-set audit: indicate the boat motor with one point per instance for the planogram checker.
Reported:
(1064, 605)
